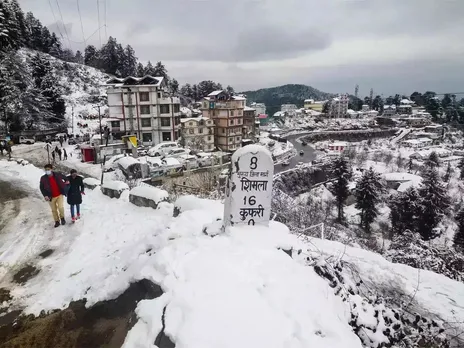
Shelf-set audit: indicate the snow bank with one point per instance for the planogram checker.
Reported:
(115, 185)
(153, 193)
(127, 161)
(190, 202)
(91, 182)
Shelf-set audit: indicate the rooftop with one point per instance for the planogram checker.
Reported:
(183, 120)
(136, 81)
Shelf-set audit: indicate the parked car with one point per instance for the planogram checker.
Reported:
(189, 161)
(205, 159)
(24, 140)
(162, 149)
(178, 152)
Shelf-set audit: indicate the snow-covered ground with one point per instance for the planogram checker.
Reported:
(236, 289)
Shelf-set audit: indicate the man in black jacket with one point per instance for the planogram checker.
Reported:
(75, 192)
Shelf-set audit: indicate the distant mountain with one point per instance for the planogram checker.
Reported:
(287, 94)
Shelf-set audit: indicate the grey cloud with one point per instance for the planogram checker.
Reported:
(59, 27)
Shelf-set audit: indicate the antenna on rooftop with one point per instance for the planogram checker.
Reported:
(356, 91)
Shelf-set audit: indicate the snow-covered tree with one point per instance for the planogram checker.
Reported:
(410, 165)
(459, 235)
(110, 56)
(432, 161)
(434, 203)
(342, 174)
(149, 69)
(449, 173)
(160, 70)
(10, 33)
(369, 189)
(140, 71)
(186, 91)
(404, 210)
(377, 104)
(230, 90)
(174, 85)
(91, 56)
(129, 64)
(78, 57)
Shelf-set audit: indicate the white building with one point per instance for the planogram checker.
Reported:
(259, 107)
(339, 106)
(198, 133)
(290, 109)
(417, 143)
(141, 106)
(389, 110)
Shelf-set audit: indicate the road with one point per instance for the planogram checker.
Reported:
(309, 154)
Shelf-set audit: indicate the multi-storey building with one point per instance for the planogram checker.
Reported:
(250, 126)
(197, 133)
(259, 107)
(339, 106)
(226, 111)
(288, 109)
(142, 106)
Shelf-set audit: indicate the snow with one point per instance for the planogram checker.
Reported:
(155, 194)
(115, 185)
(91, 181)
(234, 290)
(253, 148)
(402, 177)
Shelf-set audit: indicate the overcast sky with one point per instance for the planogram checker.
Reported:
(393, 46)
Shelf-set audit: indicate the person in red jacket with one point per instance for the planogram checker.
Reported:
(53, 186)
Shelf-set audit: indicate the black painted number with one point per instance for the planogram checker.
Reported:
(251, 222)
(251, 200)
(254, 162)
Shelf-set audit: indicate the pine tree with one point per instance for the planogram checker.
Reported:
(230, 90)
(149, 69)
(459, 235)
(78, 57)
(53, 94)
(46, 40)
(160, 70)
(56, 49)
(21, 22)
(434, 203)
(410, 165)
(34, 28)
(449, 172)
(368, 192)
(10, 34)
(140, 70)
(432, 161)
(129, 67)
(110, 57)
(342, 173)
(404, 211)
(195, 94)
(326, 107)
(40, 68)
(174, 85)
(461, 167)
(186, 91)
(91, 57)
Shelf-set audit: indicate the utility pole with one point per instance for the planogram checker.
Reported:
(371, 98)
(72, 119)
(100, 122)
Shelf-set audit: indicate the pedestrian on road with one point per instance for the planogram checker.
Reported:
(53, 156)
(76, 190)
(65, 154)
(53, 186)
(61, 141)
(58, 152)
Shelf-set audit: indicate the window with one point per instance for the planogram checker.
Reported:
(223, 130)
(201, 123)
(231, 140)
(165, 122)
(146, 137)
(115, 124)
(200, 130)
(144, 109)
(240, 112)
(166, 136)
(209, 137)
(231, 122)
(159, 95)
(164, 109)
(176, 107)
(146, 122)
(191, 131)
(190, 124)
(238, 138)
(231, 112)
(144, 96)
(177, 121)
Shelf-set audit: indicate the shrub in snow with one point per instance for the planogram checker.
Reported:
(147, 196)
(300, 180)
(408, 248)
(378, 321)
(459, 236)
(342, 172)
(369, 189)
(114, 189)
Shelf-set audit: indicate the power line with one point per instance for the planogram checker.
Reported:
(106, 34)
(88, 37)
(54, 18)
(82, 25)
(99, 27)
(62, 22)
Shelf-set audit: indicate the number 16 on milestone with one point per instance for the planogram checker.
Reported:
(249, 187)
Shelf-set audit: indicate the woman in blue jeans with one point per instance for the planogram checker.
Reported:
(75, 192)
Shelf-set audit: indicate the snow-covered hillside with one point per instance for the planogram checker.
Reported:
(80, 85)
(238, 288)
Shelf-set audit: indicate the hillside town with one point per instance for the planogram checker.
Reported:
(139, 212)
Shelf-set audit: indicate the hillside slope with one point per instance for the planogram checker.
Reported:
(79, 84)
(287, 94)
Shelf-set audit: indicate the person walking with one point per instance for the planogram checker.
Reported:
(53, 186)
(65, 154)
(53, 156)
(58, 152)
(76, 190)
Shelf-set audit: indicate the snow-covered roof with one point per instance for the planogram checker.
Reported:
(351, 111)
(406, 101)
(401, 176)
(405, 106)
(183, 120)
(215, 93)
(339, 143)
(132, 81)
(247, 108)
(171, 161)
(150, 192)
(309, 101)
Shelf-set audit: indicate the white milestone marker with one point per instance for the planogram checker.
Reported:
(249, 187)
